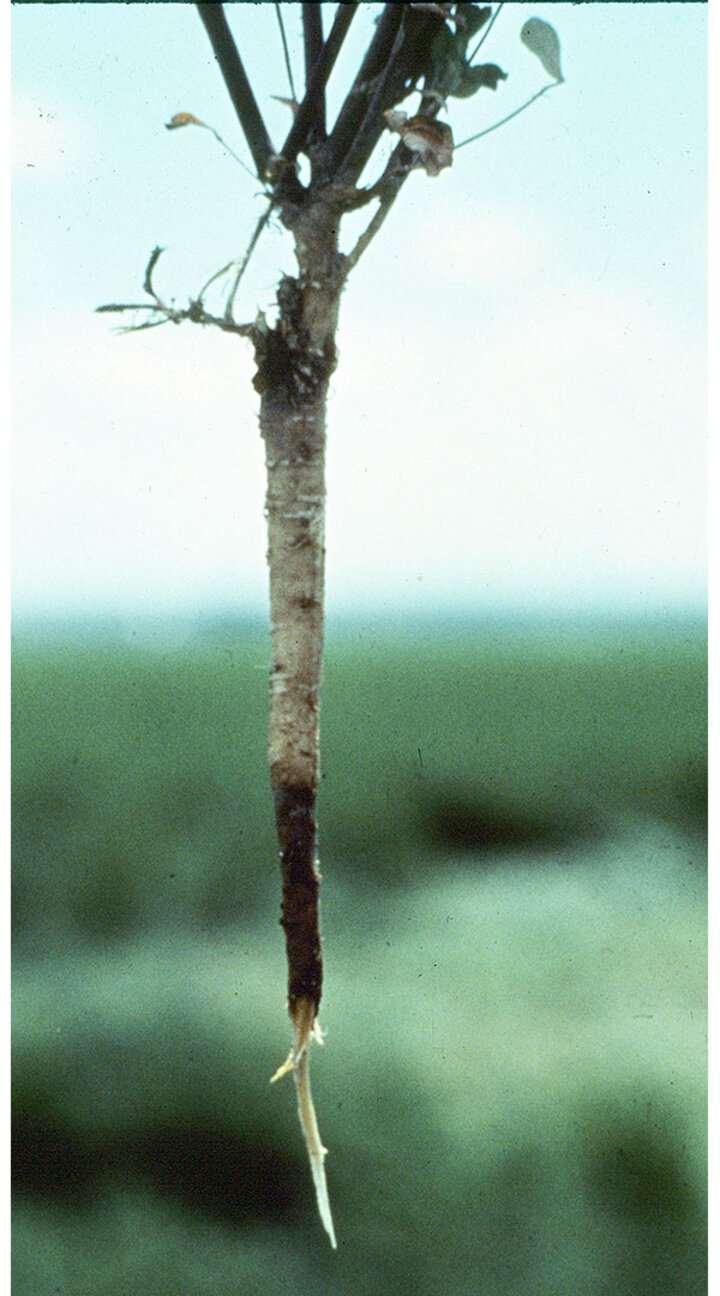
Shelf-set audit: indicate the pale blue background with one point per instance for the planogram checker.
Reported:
(518, 415)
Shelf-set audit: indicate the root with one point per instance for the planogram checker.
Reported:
(305, 1029)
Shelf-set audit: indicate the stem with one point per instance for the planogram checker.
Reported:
(262, 222)
(354, 108)
(395, 58)
(238, 87)
(295, 510)
(295, 361)
(486, 31)
(298, 132)
(286, 52)
(388, 193)
(489, 129)
(313, 47)
(227, 148)
(373, 123)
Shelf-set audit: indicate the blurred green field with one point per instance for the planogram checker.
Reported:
(513, 846)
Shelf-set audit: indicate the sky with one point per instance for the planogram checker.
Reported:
(518, 418)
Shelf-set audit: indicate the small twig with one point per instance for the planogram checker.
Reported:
(139, 328)
(366, 238)
(225, 50)
(471, 139)
(387, 189)
(486, 31)
(194, 311)
(147, 282)
(123, 306)
(189, 119)
(227, 148)
(246, 259)
(218, 275)
(174, 315)
(286, 52)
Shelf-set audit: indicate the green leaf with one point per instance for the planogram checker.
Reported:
(446, 58)
(472, 18)
(451, 72)
(542, 40)
(472, 79)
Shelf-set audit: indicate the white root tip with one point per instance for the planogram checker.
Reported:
(316, 1151)
(306, 1028)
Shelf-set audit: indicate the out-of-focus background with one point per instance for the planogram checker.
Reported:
(512, 1088)
(513, 808)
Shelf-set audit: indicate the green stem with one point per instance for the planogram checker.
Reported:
(486, 31)
(488, 130)
(286, 52)
(227, 148)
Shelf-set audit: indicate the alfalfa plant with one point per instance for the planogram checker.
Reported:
(420, 57)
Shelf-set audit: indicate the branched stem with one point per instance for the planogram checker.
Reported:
(194, 311)
(367, 130)
(354, 108)
(321, 72)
